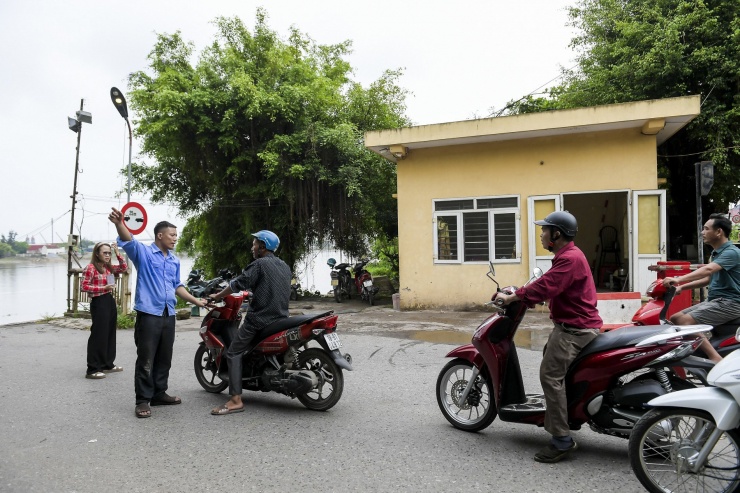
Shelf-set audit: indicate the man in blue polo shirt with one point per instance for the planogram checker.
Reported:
(157, 283)
(722, 274)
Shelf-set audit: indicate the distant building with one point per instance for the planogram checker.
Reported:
(37, 250)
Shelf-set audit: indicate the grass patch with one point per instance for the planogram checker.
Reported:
(46, 318)
(126, 321)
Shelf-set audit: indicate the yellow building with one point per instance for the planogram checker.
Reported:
(469, 191)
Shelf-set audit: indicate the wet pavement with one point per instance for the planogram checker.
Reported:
(357, 317)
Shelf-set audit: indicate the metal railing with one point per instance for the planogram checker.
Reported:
(81, 299)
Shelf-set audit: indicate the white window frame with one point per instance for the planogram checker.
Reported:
(491, 237)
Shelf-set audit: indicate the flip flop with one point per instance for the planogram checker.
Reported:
(142, 410)
(166, 400)
(223, 410)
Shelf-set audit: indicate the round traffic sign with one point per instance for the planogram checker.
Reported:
(134, 217)
(736, 218)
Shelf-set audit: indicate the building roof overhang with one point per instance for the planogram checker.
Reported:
(659, 117)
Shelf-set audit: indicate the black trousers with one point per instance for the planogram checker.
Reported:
(240, 345)
(101, 345)
(154, 336)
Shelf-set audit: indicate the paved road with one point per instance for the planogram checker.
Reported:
(62, 432)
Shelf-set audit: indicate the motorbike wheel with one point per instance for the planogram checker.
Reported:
(206, 371)
(337, 295)
(331, 379)
(370, 297)
(664, 440)
(479, 409)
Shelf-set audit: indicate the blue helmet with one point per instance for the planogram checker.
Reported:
(331, 262)
(270, 239)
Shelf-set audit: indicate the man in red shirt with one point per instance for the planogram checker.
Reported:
(569, 286)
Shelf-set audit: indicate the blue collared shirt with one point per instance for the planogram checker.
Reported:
(157, 277)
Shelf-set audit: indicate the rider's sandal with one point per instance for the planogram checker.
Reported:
(551, 454)
(95, 376)
(223, 410)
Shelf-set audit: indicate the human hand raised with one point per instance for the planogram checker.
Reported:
(116, 217)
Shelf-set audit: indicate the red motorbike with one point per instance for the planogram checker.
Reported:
(658, 309)
(282, 360)
(341, 281)
(608, 385)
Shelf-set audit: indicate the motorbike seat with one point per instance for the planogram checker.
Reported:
(287, 323)
(626, 336)
(341, 266)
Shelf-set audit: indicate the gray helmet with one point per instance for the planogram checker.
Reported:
(562, 220)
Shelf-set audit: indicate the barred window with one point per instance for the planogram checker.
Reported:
(477, 230)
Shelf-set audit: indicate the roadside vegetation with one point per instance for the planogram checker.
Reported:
(643, 49)
(263, 132)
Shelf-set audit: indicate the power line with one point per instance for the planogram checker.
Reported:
(699, 153)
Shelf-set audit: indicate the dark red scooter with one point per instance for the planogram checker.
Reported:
(608, 385)
(658, 310)
(282, 361)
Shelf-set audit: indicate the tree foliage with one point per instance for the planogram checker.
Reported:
(263, 133)
(9, 246)
(650, 49)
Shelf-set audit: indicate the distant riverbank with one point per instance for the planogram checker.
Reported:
(34, 288)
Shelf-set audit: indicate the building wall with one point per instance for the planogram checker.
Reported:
(614, 160)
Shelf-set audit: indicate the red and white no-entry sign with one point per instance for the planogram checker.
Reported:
(134, 217)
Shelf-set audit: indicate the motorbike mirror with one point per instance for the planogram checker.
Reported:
(491, 274)
(537, 273)
(737, 335)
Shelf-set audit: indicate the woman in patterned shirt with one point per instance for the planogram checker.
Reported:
(99, 281)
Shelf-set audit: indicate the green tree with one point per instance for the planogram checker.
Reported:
(263, 133)
(650, 49)
(6, 250)
(20, 247)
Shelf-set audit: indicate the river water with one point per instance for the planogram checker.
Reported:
(32, 288)
(35, 288)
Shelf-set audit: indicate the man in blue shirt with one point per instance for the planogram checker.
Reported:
(722, 274)
(157, 283)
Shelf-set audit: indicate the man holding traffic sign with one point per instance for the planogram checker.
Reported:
(157, 283)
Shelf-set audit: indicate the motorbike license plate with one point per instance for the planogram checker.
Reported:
(367, 284)
(332, 340)
(335, 282)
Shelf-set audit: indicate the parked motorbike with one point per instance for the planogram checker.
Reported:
(281, 361)
(658, 309)
(608, 384)
(690, 440)
(364, 282)
(343, 284)
(341, 280)
(201, 288)
(295, 289)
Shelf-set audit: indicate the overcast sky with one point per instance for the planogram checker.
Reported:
(461, 59)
